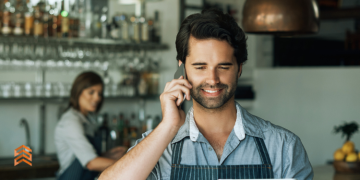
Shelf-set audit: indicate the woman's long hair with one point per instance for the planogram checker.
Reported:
(83, 81)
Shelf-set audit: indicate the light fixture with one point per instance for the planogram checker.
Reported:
(281, 17)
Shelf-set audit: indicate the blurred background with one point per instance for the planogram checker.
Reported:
(306, 83)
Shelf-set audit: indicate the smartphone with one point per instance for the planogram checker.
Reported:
(180, 72)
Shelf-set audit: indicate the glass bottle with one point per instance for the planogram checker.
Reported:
(65, 23)
(38, 22)
(18, 19)
(134, 29)
(55, 18)
(96, 24)
(47, 21)
(29, 18)
(124, 28)
(74, 22)
(121, 125)
(6, 18)
(59, 20)
(88, 19)
(157, 28)
(144, 29)
(103, 20)
(82, 19)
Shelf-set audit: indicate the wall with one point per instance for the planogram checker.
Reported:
(310, 102)
(12, 135)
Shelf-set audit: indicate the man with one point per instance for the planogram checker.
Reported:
(218, 139)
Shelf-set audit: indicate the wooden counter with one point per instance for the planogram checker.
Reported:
(327, 172)
(41, 167)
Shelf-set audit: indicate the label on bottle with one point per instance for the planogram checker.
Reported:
(136, 36)
(65, 25)
(29, 21)
(145, 32)
(6, 18)
(125, 31)
(38, 28)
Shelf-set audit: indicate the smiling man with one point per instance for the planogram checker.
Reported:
(217, 139)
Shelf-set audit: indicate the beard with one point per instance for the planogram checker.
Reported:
(227, 93)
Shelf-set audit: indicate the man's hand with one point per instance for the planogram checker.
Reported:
(141, 160)
(171, 100)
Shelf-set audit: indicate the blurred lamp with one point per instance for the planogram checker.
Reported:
(281, 17)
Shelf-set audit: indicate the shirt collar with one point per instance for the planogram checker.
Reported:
(245, 123)
(79, 115)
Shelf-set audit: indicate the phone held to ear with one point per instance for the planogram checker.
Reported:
(180, 72)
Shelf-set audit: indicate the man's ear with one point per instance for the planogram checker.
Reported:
(180, 62)
(240, 70)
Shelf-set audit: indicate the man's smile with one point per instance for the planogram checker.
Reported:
(211, 92)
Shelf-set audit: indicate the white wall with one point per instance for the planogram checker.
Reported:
(310, 102)
(12, 135)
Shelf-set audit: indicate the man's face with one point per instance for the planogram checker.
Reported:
(212, 70)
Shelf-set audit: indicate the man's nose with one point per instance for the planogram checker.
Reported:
(212, 77)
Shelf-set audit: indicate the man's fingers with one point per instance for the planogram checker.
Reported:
(184, 89)
(174, 82)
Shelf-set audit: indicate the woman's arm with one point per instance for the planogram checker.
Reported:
(99, 164)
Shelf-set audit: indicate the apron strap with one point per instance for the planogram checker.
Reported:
(177, 151)
(265, 158)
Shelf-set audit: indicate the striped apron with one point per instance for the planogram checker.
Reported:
(75, 171)
(205, 172)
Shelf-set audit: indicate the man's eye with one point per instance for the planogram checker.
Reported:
(199, 68)
(91, 92)
(224, 67)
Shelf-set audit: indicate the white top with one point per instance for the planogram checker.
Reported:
(238, 128)
(71, 141)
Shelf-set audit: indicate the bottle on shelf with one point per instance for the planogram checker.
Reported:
(64, 20)
(29, 19)
(96, 24)
(124, 28)
(74, 22)
(88, 19)
(104, 20)
(134, 29)
(6, 28)
(58, 19)
(47, 20)
(114, 138)
(38, 21)
(18, 18)
(144, 29)
(104, 133)
(82, 19)
(121, 125)
(126, 134)
(157, 28)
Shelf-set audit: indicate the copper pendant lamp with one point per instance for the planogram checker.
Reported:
(281, 17)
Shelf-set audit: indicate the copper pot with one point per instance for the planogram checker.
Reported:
(281, 17)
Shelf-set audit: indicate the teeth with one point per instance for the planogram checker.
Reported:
(209, 91)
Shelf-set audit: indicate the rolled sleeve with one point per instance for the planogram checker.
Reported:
(297, 163)
(74, 136)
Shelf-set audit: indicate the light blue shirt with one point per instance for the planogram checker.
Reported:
(287, 154)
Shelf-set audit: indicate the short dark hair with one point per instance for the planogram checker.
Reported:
(83, 81)
(211, 23)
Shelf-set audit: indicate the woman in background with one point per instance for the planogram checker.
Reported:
(77, 145)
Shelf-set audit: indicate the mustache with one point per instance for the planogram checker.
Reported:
(217, 86)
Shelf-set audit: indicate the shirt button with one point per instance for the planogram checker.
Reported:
(210, 149)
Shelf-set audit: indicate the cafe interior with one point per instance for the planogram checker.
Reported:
(301, 74)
